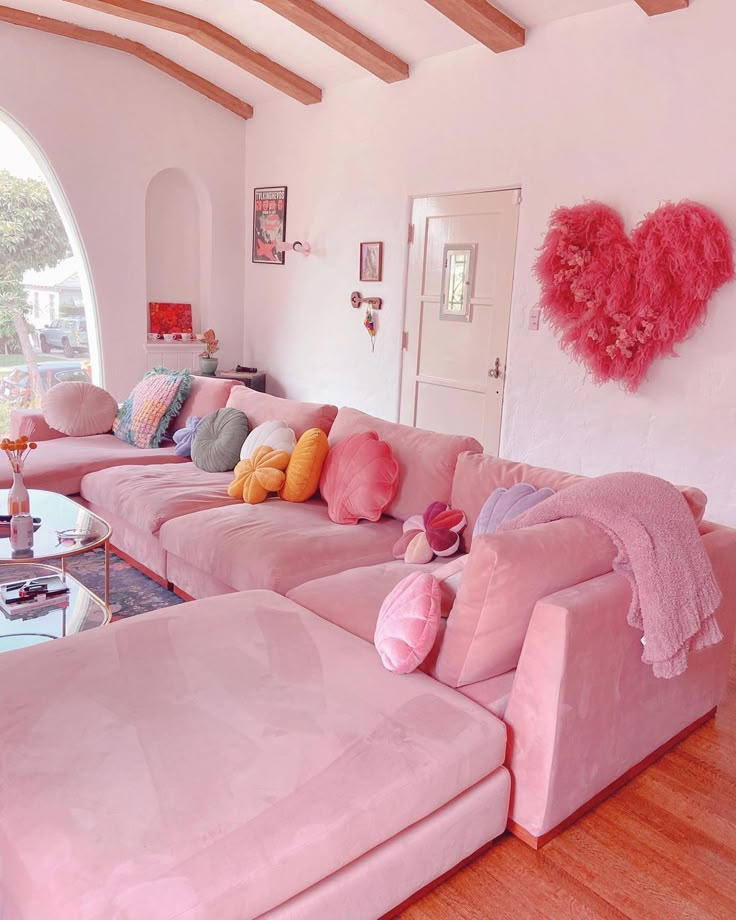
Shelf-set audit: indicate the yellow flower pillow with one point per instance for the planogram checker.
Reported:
(259, 474)
(305, 466)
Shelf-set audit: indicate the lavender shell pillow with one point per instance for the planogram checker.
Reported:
(504, 504)
(184, 437)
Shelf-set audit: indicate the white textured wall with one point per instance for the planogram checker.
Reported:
(108, 124)
(611, 106)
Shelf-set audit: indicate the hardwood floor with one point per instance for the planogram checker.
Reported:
(663, 847)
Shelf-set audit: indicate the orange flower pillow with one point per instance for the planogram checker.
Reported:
(259, 474)
(305, 466)
(359, 479)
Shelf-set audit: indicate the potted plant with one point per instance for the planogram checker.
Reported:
(208, 364)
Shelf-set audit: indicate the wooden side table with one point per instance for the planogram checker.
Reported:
(254, 381)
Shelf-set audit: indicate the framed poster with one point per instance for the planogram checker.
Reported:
(269, 224)
(371, 261)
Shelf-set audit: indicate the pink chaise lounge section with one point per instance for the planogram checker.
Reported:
(231, 757)
(61, 462)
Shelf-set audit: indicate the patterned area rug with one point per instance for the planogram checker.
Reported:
(131, 592)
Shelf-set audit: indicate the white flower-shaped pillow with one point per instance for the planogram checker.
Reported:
(274, 434)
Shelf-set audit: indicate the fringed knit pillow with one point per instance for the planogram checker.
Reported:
(145, 415)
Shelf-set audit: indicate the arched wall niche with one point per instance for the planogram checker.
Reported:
(179, 242)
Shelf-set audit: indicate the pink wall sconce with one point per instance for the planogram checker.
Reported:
(296, 246)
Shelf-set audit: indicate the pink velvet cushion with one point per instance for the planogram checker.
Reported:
(478, 475)
(205, 395)
(299, 416)
(79, 409)
(359, 479)
(408, 622)
(426, 459)
(502, 582)
(231, 754)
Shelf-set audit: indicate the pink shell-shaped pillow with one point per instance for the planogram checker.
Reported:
(435, 533)
(79, 409)
(408, 623)
(359, 479)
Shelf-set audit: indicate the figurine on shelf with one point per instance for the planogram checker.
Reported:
(370, 325)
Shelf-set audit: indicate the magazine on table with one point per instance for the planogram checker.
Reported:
(30, 597)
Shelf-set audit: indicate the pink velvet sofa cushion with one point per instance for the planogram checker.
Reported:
(60, 465)
(426, 459)
(152, 495)
(235, 752)
(503, 580)
(275, 544)
(206, 395)
(478, 475)
(299, 416)
(353, 598)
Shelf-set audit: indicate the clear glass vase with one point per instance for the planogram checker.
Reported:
(19, 501)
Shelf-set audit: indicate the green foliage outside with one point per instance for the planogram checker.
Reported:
(32, 237)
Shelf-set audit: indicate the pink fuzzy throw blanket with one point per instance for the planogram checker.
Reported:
(674, 594)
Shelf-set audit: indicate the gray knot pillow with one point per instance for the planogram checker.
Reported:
(217, 443)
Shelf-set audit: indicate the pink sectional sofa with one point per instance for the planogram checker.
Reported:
(250, 754)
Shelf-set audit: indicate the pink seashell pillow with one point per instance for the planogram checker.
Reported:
(79, 409)
(435, 533)
(359, 479)
(408, 623)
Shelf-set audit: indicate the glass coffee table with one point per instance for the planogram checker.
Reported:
(66, 529)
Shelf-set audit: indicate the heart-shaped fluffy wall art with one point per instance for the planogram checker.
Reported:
(618, 302)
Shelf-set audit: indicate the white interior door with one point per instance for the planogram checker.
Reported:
(461, 269)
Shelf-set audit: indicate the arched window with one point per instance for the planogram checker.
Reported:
(48, 315)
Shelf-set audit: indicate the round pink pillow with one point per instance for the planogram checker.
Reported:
(79, 409)
(408, 623)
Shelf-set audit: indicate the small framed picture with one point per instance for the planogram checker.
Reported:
(371, 261)
(269, 224)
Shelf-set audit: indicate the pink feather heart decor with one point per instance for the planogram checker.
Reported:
(618, 303)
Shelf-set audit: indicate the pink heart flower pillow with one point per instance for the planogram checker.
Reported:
(434, 533)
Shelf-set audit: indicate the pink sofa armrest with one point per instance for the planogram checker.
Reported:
(584, 709)
(32, 424)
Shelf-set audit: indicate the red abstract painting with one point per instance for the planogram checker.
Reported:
(170, 317)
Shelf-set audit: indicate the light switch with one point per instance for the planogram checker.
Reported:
(534, 318)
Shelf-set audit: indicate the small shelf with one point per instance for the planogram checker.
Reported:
(178, 356)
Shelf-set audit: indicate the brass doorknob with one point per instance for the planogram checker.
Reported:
(495, 371)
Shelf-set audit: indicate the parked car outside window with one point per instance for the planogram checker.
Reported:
(67, 333)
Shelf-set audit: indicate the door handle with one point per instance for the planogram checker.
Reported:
(495, 371)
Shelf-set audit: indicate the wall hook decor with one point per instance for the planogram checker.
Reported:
(296, 246)
(356, 301)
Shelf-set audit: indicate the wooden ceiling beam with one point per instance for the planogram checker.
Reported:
(655, 7)
(214, 39)
(338, 35)
(142, 52)
(484, 22)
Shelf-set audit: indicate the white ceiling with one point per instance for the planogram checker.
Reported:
(412, 29)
